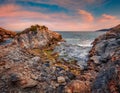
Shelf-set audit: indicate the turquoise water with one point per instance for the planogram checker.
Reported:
(80, 38)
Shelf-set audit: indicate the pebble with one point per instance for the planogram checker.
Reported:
(60, 79)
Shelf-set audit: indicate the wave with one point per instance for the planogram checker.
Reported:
(79, 42)
(85, 43)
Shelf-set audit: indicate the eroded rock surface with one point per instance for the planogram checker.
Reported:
(28, 65)
(37, 37)
(103, 73)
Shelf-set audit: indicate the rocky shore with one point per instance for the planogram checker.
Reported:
(36, 62)
(103, 73)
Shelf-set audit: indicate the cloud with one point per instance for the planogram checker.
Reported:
(15, 17)
(106, 17)
(68, 4)
(14, 11)
(86, 16)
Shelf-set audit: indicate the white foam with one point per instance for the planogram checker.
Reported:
(85, 43)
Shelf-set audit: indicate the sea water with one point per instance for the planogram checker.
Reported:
(83, 39)
(78, 46)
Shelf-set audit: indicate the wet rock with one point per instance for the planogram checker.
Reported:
(73, 54)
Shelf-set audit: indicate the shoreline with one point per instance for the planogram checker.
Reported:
(35, 62)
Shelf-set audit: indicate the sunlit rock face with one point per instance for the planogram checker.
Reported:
(37, 37)
(24, 69)
(5, 34)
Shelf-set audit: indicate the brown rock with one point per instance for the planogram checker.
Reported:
(4, 34)
(77, 86)
(60, 79)
(37, 37)
(27, 83)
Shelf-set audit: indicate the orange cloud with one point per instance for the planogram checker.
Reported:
(15, 18)
(86, 16)
(14, 11)
(106, 17)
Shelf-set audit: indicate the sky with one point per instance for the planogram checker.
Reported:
(60, 15)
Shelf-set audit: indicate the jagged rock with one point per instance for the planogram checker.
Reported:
(4, 34)
(25, 69)
(103, 73)
(105, 52)
(27, 65)
(37, 37)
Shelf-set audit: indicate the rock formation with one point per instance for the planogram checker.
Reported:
(105, 55)
(103, 73)
(28, 65)
(37, 37)
(4, 34)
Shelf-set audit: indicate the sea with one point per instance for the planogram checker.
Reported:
(79, 44)
(79, 38)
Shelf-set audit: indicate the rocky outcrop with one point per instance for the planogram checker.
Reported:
(4, 34)
(103, 73)
(28, 64)
(37, 37)
(105, 55)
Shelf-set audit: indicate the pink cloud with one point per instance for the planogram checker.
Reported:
(86, 16)
(15, 18)
(14, 11)
(106, 17)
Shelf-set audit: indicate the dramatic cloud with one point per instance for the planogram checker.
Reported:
(86, 16)
(60, 5)
(58, 15)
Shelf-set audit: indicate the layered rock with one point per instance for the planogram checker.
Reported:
(4, 34)
(106, 58)
(37, 37)
(103, 73)
(28, 65)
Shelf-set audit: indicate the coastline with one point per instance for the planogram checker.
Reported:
(31, 64)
